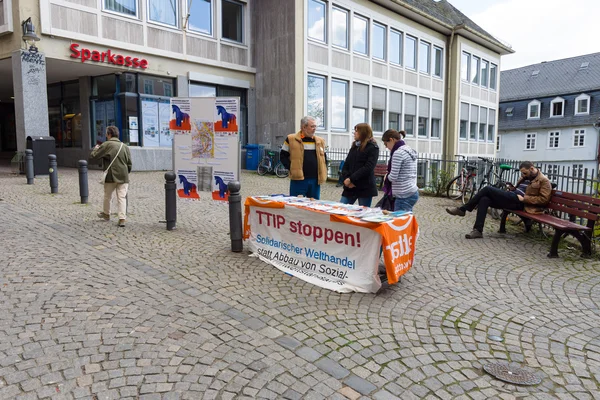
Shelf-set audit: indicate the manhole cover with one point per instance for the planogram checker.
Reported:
(506, 373)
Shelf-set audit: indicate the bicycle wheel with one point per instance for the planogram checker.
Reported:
(455, 188)
(281, 171)
(496, 213)
(468, 190)
(263, 167)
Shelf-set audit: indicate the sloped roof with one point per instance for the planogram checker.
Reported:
(557, 77)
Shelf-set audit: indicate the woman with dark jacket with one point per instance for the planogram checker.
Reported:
(358, 173)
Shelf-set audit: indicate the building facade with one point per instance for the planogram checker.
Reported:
(402, 64)
(549, 114)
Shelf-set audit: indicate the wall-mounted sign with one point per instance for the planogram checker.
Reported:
(107, 57)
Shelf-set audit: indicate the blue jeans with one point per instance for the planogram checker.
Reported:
(362, 201)
(306, 188)
(407, 203)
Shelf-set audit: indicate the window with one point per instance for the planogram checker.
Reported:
(360, 35)
(316, 20)
(577, 170)
(579, 138)
(557, 107)
(231, 21)
(378, 43)
(533, 110)
(438, 61)
(127, 7)
(410, 52)
(552, 171)
(148, 86)
(339, 22)
(316, 99)
(464, 120)
(509, 111)
(530, 141)
(483, 113)
(200, 19)
(553, 138)
(168, 89)
(498, 143)
(198, 90)
(424, 57)
(491, 126)
(493, 74)
(395, 107)
(377, 115)
(582, 105)
(465, 67)
(163, 11)
(339, 104)
(360, 103)
(410, 111)
(474, 122)
(436, 119)
(423, 117)
(484, 73)
(395, 47)
(475, 70)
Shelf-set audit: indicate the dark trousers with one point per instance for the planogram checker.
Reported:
(493, 197)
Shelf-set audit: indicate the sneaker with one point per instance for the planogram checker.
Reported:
(455, 211)
(121, 223)
(475, 234)
(104, 216)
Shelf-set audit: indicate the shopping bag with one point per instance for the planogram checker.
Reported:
(386, 202)
(103, 179)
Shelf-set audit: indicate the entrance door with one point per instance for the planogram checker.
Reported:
(104, 115)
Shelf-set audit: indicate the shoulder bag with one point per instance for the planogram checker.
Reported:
(103, 179)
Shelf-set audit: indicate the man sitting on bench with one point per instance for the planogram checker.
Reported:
(536, 195)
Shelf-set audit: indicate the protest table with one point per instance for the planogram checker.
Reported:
(329, 244)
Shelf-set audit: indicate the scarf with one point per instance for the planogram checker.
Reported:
(387, 185)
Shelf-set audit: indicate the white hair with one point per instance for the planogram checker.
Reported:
(305, 120)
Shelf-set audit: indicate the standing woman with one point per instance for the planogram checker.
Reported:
(403, 173)
(358, 173)
(398, 141)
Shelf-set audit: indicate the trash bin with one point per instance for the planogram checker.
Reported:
(252, 156)
(42, 147)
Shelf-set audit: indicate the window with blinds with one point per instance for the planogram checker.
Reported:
(395, 110)
(378, 112)
(436, 119)
(410, 112)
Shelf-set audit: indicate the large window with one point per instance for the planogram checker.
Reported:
(315, 105)
(582, 105)
(360, 103)
(163, 11)
(533, 110)
(378, 42)
(557, 107)
(464, 120)
(577, 170)
(232, 16)
(410, 112)
(474, 121)
(424, 57)
(438, 61)
(395, 47)
(360, 35)
(475, 70)
(64, 114)
(317, 25)
(127, 7)
(579, 138)
(553, 139)
(465, 67)
(423, 117)
(200, 19)
(339, 27)
(395, 115)
(378, 112)
(410, 52)
(530, 141)
(339, 104)
(493, 77)
(436, 119)
(484, 73)
(491, 125)
(483, 114)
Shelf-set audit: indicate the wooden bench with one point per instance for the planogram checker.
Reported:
(380, 171)
(574, 205)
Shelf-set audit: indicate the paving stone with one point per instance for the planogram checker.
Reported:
(359, 384)
(332, 368)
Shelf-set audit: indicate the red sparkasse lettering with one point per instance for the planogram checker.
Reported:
(106, 56)
(128, 61)
(75, 52)
(143, 64)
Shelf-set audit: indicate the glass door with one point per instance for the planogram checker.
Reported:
(104, 115)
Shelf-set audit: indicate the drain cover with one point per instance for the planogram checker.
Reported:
(506, 373)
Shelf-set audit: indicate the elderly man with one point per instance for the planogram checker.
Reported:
(532, 193)
(303, 153)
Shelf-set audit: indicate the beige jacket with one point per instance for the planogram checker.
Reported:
(297, 157)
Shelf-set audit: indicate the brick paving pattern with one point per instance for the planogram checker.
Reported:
(92, 311)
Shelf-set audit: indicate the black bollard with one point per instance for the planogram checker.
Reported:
(29, 166)
(83, 181)
(235, 217)
(52, 169)
(170, 200)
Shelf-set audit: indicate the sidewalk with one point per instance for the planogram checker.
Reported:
(89, 310)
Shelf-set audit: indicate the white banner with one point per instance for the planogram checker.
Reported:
(308, 245)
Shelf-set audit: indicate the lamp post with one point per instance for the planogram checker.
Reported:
(29, 35)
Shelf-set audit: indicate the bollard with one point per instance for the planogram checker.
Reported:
(170, 200)
(52, 169)
(83, 181)
(29, 166)
(235, 216)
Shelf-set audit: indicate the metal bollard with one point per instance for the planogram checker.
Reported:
(83, 181)
(235, 216)
(52, 169)
(170, 200)
(29, 166)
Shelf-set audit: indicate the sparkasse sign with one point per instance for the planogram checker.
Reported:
(107, 57)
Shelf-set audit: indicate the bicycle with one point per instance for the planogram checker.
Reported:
(266, 165)
(463, 185)
(491, 177)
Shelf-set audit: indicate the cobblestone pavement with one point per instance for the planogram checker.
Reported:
(89, 310)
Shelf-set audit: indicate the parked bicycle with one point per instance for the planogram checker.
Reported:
(463, 185)
(267, 165)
